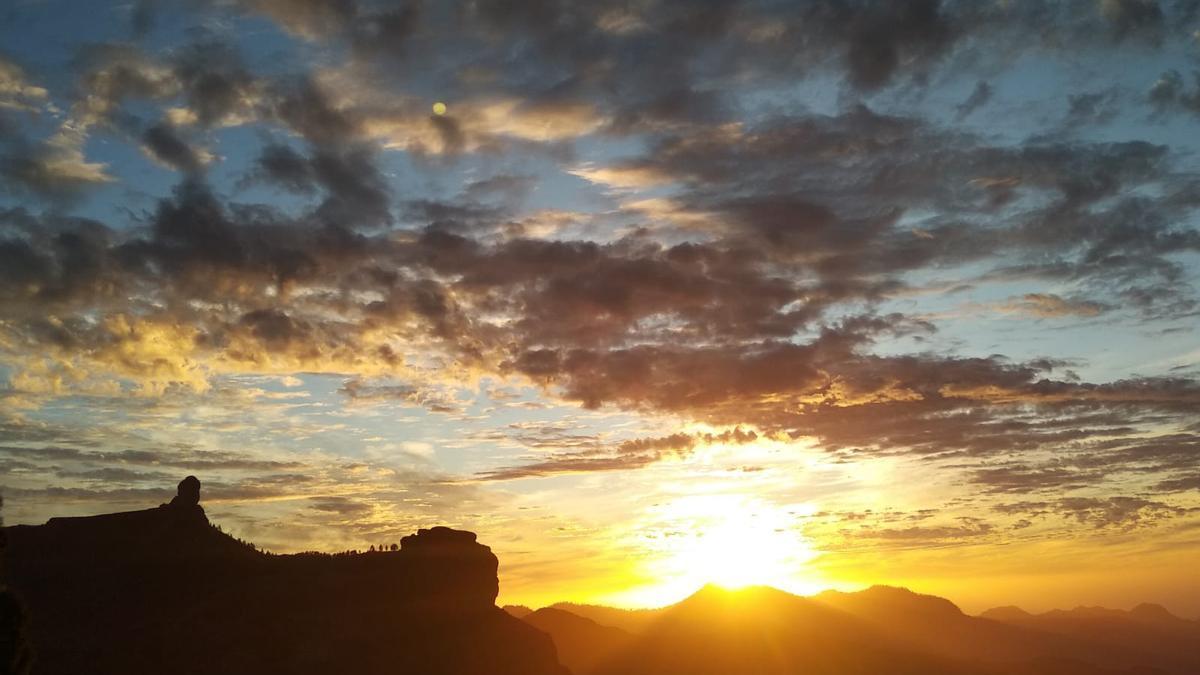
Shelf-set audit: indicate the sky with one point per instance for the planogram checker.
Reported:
(812, 294)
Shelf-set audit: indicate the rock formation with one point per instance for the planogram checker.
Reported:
(163, 591)
(187, 494)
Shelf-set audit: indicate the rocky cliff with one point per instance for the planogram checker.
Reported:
(163, 591)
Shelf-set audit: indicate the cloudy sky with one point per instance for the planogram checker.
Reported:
(813, 294)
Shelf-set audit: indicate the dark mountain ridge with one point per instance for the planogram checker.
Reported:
(164, 591)
(879, 630)
(582, 643)
(1148, 631)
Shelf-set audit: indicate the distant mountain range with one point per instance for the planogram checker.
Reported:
(162, 591)
(881, 630)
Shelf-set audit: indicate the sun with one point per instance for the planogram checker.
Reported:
(733, 541)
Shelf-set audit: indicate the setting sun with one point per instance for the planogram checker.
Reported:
(729, 540)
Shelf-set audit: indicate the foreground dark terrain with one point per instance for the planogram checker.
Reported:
(164, 591)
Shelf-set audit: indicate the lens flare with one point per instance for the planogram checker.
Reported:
(725, 539)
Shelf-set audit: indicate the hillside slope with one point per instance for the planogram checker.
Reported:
(163, 591)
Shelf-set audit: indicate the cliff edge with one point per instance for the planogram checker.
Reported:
(162, 590)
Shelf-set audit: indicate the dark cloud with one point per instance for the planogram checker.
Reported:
(881, 37)
(1021, 479)
(1181, 484)
(165, 145)
(1119, 512)
(341, 506)
(1099, 107)
(196, 460)
(923, 536)
(1122, 511)
(505, 186)
(1140, 18)
(1171, 93)
(142, 17)
(435, 401)
(355, 192)
(214, 82)
(112, 475)
(630, 454)
(370, 31)
(980, 95)
(281, 165)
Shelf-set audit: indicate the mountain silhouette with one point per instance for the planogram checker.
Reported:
(163, 591)
(518, 611)
(628, 620)
(765, 631)
(1148, 631)
(583, 644)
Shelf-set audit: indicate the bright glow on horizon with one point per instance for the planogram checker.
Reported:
(731, 540)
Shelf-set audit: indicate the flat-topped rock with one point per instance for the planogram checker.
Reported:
(450, 568)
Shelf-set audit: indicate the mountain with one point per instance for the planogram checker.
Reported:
(518, 611)
(1149, 631)
(937, 626)
(628, 620)
(765, 631)
(164, 591)
(582, 644)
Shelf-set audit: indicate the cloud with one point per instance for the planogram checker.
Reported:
(1025, 479)
(632, 454)
(1170, 93)
(1049, 305)
(1142, 18)
(881, 37)
(1122, 512)
(164, 145)
(980, 95)
(342, 506)
(16, 91)
(1099, 107)
(435, 401)
(53, 169)
(1181, 484)
(190, 460)
(308, 18)
(622, 177)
